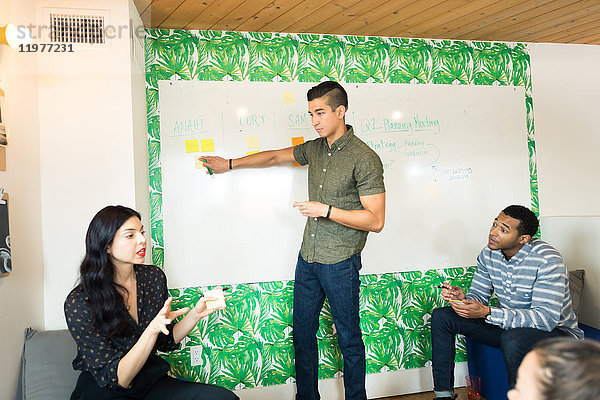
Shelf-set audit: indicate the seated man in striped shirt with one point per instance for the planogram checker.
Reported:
(531, 282)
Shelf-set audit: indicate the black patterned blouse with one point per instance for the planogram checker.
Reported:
(99, 354)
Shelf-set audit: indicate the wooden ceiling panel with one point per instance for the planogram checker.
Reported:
(185, 13)
(382, 25)
(159, 10)
(141, 5)
(386, 8)
(571, 28)
(525, 24)
(553, 20)
(287, 19)
(575, 34)
(212, 14)
(559, 21)
(240, 14)
(439, 15)
(349, 14)
(325, 13)
(267, 14)
(586, 40)
(490, 16)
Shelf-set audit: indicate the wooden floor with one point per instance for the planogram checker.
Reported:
(462, 395)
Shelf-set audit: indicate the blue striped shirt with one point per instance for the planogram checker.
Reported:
(532, 287)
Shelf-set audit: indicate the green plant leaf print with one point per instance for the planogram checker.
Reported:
(320, 57)
(452, 63)
(384, 350)
(492, 64)
(367, 59)
(330, 359)
(417, 348)
(411, 60)
(276, 58)
(520, 59)
(227, 56)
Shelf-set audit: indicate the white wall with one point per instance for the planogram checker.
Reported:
(139, 117)
(566, 99)
(21, 291)
(77, 143)
(577, 239)
(88, 157)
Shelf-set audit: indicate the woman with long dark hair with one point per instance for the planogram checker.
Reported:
(120, 315)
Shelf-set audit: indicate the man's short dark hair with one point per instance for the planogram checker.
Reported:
(528, 222)
(336, 95)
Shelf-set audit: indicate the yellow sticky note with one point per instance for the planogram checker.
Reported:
(288, 98)
(252, 142)
(207, 145)
(251, 152)
(191, 146)
(198, 162)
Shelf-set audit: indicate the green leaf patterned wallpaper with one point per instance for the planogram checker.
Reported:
(250, 343)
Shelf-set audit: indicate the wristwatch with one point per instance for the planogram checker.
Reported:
(488, 317)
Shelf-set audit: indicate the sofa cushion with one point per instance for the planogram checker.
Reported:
(576, 279)
(46, 365)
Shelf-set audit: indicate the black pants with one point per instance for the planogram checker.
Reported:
(165, 389)
(151, 383)
(514, 343)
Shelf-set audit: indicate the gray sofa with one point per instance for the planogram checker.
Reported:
(46, 371)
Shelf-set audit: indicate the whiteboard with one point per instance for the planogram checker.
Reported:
(453, 157)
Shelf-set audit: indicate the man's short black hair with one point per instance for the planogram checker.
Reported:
(528, 222)
(336, 95)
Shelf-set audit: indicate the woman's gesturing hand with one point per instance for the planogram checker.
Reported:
(164, 317)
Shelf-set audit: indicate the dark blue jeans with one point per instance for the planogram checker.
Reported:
(340, 283)
(514, 343)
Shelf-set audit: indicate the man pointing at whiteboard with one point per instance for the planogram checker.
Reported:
(346, 202)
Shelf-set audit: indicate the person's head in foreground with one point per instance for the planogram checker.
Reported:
(559, 369)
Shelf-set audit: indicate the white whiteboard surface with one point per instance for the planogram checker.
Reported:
(453, 157)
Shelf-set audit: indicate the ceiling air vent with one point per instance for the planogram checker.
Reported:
(71, 28)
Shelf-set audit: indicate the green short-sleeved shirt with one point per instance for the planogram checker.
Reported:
(337, 176)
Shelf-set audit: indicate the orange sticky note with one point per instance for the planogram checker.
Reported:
(207, 145)
(252, 142)
(295, 142)
(191, 146)
(288, 97)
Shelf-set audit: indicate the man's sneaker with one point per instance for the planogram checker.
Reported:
(447, 398)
